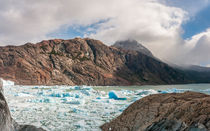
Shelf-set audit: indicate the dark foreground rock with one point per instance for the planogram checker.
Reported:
(188, 111)
(6, 121)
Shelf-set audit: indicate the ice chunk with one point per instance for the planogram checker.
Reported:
(112, 95)
(7, 82)
(55, 95)
(59, 94)
(40, 93)
(77, 110)
(66, 95)
(98, 98)
(77, 96)
(77, 88)
(82, 88)
(64, 100)
(44, 100)
(72, 102)
(85, 92)
(174, 90)
(162, 92)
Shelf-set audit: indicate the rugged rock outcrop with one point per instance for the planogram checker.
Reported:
(6, 121)
(84, 62)
(187, 111)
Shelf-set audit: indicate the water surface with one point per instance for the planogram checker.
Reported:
(64, 108)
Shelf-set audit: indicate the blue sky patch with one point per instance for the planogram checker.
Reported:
(197, 24)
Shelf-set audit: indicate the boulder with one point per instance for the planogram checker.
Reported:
(189, 111)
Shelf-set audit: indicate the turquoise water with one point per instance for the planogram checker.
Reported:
(203, 88)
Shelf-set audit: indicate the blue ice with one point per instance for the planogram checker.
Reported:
(60, 95)
(85, 92)
(112, 95)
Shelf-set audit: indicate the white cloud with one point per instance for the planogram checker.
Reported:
(198, 48)
(151, 22)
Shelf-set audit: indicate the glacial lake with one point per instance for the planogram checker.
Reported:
(78, 108)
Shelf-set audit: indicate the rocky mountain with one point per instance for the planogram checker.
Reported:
(187, 111)
(196, 68)
(133, 45)
(85, 62)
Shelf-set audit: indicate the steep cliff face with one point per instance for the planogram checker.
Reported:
(83, 62)
(189, 111)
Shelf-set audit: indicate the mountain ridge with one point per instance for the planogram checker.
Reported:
(84, 62)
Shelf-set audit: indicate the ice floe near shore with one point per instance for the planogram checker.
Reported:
(60, 108)
(7, 82)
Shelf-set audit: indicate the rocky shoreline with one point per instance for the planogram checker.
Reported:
(189, 111)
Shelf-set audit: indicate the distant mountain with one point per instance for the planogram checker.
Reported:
(87, 62)
(133, 45)
(197, 68)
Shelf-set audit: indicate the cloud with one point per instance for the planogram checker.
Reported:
(154, 23)
(198, 49)
(28, 20)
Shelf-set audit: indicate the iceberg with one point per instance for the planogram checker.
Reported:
(7, 82)
(112, 95)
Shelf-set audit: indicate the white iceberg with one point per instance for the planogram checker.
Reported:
(7, 82)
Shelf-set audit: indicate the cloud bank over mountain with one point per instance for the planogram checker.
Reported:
(157, 24)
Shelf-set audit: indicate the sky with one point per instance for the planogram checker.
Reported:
(176, 31)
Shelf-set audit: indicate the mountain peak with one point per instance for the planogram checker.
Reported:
(133, 45)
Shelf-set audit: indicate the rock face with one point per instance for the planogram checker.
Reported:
(188, 111)
(5, 117)
(84, 62)
(6, 121)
